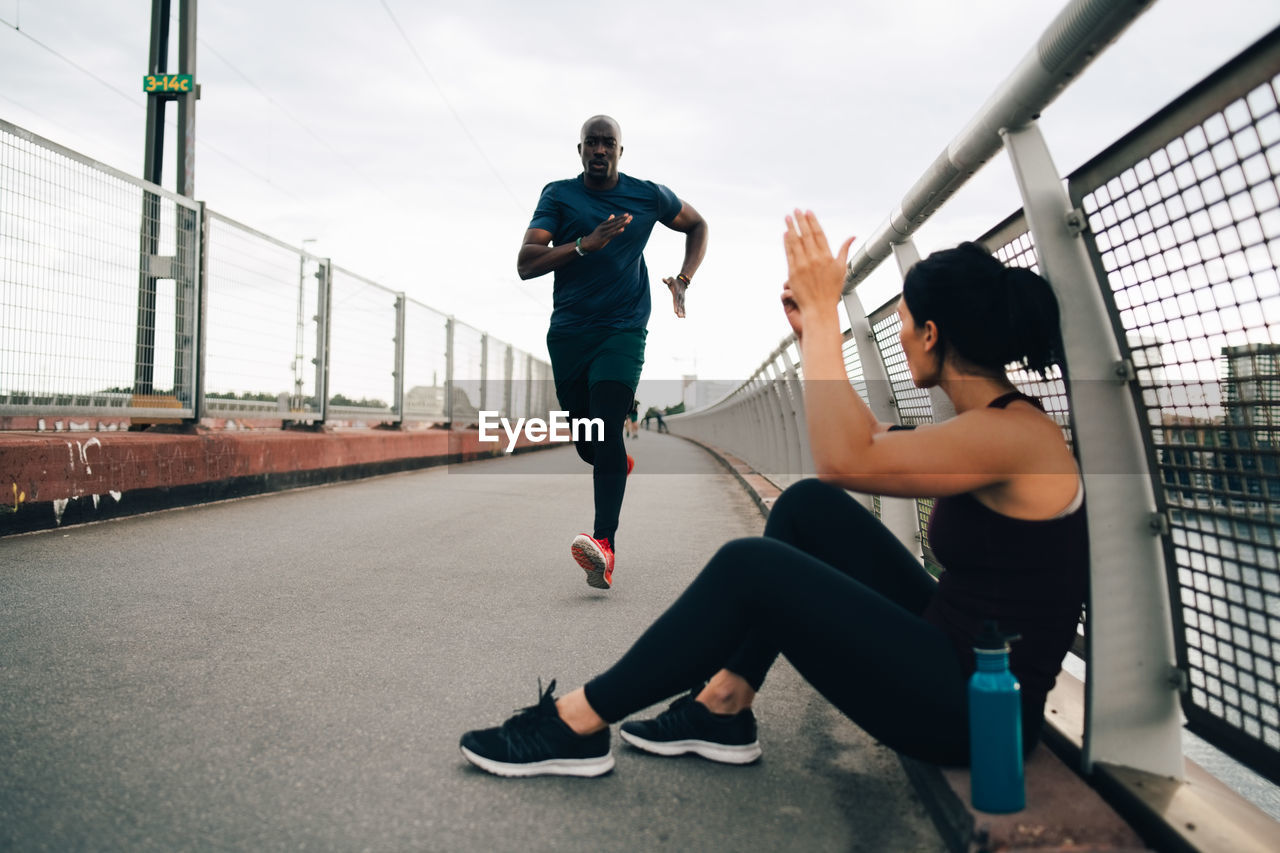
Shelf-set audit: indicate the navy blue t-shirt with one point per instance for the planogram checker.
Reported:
(608, 288)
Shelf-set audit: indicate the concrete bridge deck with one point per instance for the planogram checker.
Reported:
(292, 671)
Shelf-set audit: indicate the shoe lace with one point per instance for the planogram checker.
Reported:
(674, 719)
(519, 730)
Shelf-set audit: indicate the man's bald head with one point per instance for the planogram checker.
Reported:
(601, 124)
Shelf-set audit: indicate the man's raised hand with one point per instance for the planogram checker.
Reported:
(605, 231)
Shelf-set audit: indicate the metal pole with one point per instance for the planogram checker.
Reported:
(149, 237)
(186, 160)
(1132, 712)
(185, 220)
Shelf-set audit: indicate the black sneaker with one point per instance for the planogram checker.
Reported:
(687, 726)
(536, 742)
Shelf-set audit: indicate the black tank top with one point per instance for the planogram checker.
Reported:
(1030, 576)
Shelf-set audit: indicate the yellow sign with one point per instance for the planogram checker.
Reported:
(175, 83)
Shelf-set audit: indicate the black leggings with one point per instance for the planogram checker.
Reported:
(832, 589)
(610, 402)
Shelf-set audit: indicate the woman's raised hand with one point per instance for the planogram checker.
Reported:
(815, 277)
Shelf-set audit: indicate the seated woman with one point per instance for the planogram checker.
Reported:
(828, 586)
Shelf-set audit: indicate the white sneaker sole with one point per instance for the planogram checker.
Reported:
(723, 753)
(550, 767)
(587, 554)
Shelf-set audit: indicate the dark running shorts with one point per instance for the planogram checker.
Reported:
(580, 359)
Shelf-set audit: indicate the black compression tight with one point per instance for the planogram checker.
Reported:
(831, 589)
(610, 402)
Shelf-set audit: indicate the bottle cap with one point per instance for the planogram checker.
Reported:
(992, 639)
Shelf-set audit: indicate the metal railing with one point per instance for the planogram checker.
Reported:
(121, 299)
(1163, 252)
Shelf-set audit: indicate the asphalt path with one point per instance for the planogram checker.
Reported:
(293, 671)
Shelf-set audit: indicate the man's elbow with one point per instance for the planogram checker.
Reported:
(698, 229)
(527, 269)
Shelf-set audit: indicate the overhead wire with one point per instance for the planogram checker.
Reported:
(128, 97)
(289, 114)
(466, 131)
(449, 105)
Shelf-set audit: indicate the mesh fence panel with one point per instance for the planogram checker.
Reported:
(853, 367)
(468, 373)
(426, 350)
(91, 316)
(362, 346)
(1188, 236)
(912, 403)
(495, 377)
(261, 328)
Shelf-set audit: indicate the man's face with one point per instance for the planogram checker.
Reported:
(601, 146)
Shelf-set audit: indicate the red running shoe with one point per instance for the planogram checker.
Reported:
(631, 463)
(596, 558)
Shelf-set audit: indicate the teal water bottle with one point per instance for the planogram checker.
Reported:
(995, 727)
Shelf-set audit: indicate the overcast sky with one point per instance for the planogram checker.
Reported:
(412, 138)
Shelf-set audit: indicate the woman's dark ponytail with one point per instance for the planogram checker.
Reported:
(988, 315)
(1035, 341)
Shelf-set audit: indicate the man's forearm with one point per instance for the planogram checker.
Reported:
(535, 260)
(695, 249)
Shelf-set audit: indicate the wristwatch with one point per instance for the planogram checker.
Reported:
(577, 247)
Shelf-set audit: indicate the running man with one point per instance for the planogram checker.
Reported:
(591, 231)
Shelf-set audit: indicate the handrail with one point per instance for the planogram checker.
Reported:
(1072, 40)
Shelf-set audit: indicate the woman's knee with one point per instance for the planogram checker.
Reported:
(805, 494)
(744, 560)
(812, 502)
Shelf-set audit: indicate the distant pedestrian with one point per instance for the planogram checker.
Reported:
(633, 419)
(592, 231)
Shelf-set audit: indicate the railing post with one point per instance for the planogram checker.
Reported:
(897, 514)
(508, 363)
(769, 452)
(802, 420)
(907, 256)
(324, 306)
(448, 371)
(529, 402)
(1132, 713)
(398, 368)
(200, 355)
(781, 397)
(484, 372)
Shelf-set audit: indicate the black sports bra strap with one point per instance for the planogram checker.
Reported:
(1005, 399)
